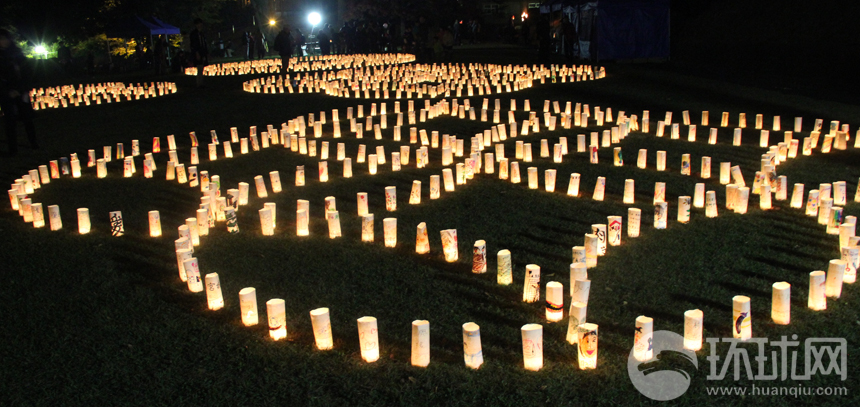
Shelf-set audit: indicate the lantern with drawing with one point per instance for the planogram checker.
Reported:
(587, 346)
(368, 338)
(532, 335)
(277, 316)
(321, 323)
(248, 306)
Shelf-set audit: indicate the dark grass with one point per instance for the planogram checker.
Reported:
(99, 320)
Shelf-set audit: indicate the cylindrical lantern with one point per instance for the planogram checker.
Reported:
(684, 209)
(578, 255)
(333, 220)
(83, 221)
(581, 291)
(659, 192)
(213, 292)
(661, 161)
(817, 291)
(38, 215)
(321, 323)
(600, 231)
(504, 267)
(781, 303)
(573, 187)
(192, 273)
(634, 218)
(277, 315)
(449, 245)
(834, 220)
(154, 224)
(797, 196)
(266, 222)
(835, 276)
(54, 217)
(532, 346)
(824, 207)
(614, 227)
(302, 222)
(531, 286)
(741, 318)
(711, 204)
(660, 209)
(812, 203)
(587, 346)
(576, 317)
(389, 230)
(391, 198)
(693, 329)
(599, 188)
(368, 338)
(479, 257)
(591, 249)
(554, 301)
(472, 352)
(415, 194)
(248, 306)
(851, 257)
(765, 197)
(422, 242)
(699, 196)
(629, 191)
(642, 339)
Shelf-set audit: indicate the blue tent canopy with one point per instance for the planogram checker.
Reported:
(138, 27)
(617, 29)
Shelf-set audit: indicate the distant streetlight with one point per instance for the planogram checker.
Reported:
(41, 50)
(272, 22)
(314, 18)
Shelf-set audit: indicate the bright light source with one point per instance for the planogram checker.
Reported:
(271, 22)
(41, 50)
(314, 18)
(524, 16)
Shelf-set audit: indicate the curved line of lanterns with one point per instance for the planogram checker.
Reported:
(300, 64)
(86, 94)
(486, 153)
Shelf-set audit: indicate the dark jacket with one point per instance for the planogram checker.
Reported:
(16, 73)
(284, 44)
(199, 48)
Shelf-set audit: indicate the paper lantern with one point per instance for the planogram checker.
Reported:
(116, 226)
(248, 306)
(684, 209)
(479, 257)
(38, 215)
(634, 218)
(835, 276)
(599, 230)
(587, 346)
(614, 230)
(333, 220)
(266, 222)
(824, 207)
(817, 291)
(573, 187)
(154, 224)
(277, 316)
(660, 215)
(554, 301)
(472, 352)
(422, 243)
(192, 275)
(834, 220)
(797, 196)
(699, 196)
(532, 335)
(515, 172)
(231, 219)
(591, 248)
(415, 194)
(629, 191)
(576, 317)
(54, 217)
(531, 286)
(642, 339)
(391, 198)
(661, 161)
(368, 338)
(532, 177)
(549, 180)
(659, 192)
(321, 323)
(693, 329)
(742, 203)
(847, 230)
(711, 204)
(449, 245)
(741, 318)
(599, 189)
(578, 256)
(213, 292)
(851, 257)
(781, 303)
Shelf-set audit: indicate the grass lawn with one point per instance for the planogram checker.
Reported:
(98, 320)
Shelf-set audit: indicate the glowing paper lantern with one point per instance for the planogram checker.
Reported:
(642, 338)
(711, 204)
(660, 215)
(693, 329)
(817, 291)
(277, 316)
(422, 242)
(38, 215)
(479, 257)
(472, 352)
(54, 217)
(699, 196)
(599, 188)
(368, 338)
(248, 306)
(851, 257)
(192, 274)
(835, 276)
(573, 187)
(634, 218)
(391, 198)
(824, 207)
(554, 301)
(116, 226)
(587, 346)
(231, 219)
(684, 209)
(333, 220)
(629, 191)
(266, 222)
(599, 230)
(389, 230)
(321, 323)
(420, 343)
(532, 335)
(154, 224)
(577, 316)
(449, 245)
(614, 230)
(741, 318)
(781, 303)
(531, 286)
(213, 292)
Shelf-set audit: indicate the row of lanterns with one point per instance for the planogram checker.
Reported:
(298, 64)
(110, 92)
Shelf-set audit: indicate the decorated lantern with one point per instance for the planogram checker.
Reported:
(781, 303)
(368, 338)
(532, 335)
(472, 351)
(277, 316)
(741, 318)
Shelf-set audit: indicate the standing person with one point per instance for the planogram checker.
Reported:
(199, 49)
(324, 39)
(568, 31)
(261, 45)
(15, 84)
(247, 45)
(284, 45)
(300, 42)
(160, 56)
